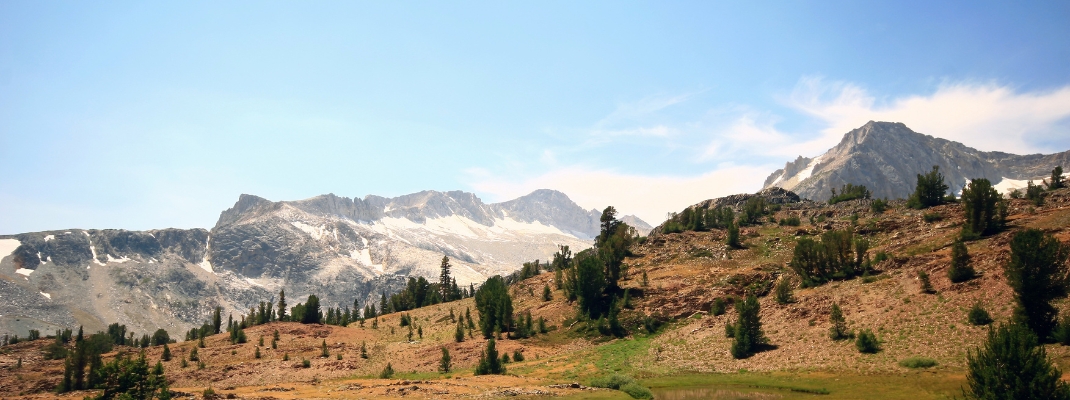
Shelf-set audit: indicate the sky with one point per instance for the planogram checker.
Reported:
(146, 115)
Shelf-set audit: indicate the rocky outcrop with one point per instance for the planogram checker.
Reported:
(887, 156)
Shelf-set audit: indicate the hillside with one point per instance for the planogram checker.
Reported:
(685, 273)
(887, 156)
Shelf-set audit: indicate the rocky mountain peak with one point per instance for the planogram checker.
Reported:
(887, 156)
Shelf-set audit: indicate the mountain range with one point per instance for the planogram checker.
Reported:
(335, 247)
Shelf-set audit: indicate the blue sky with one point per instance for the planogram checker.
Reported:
(152, 114)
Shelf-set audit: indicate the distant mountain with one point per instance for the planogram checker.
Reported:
(338, 248)
(887, 156)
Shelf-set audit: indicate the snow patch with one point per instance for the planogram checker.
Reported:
(317, 232)
(49, 296)
(117, 260)
(24, 272)
(365, 258)
(8, 246)
(778, 179)
(207, 266)
(1006, 185)
(809, 170)
(50, 237)
(252, 282)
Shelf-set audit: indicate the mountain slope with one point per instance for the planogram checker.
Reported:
(886, 157)
(338, 248)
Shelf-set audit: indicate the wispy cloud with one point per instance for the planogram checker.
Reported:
(648, 196)
(986, 116)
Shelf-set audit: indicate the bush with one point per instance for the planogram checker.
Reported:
(867, 342)
(718, 306)
(978, 315)
(518, 356)
(932, 217)
(878, 206)
(729, 330)
(790, 221)
(918, 362)
(1012, 365)
(305, 363)
(637, 391)
(1061, 334)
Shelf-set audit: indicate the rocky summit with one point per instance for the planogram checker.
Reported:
(887, 156)
(335, 247)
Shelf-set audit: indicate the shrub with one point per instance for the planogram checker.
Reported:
(305, 363)
(918, 362)
(867, 342)
(718, 306)
(878, 206)
(1061, 334)
(518, 356)
(978, 315)
(790, 221)
(637, 391)
(729, 330)
(1012, 365)
(932, 217)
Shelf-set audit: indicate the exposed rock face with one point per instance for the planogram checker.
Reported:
(887, 156)
(338, 248)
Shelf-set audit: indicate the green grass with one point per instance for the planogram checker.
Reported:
(907, 386)
(918, 362)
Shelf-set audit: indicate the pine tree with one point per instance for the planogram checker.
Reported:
(926, 285)
(960, 270)
(930, 190)
(323, 349)
(166, 353)
(387, 373)
(982, 206)
(732, 238)
(1056, 181)
(217, 320)
(458, 335)
(546, 294)
(1012, 365)
(838, 331)
(489, 362)
(444, 362)
(1037, 272)
(363, 350)
(748, 328)
(282, 305)
(444, 279)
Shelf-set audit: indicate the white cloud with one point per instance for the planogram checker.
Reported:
(648, 196)
(988, 117)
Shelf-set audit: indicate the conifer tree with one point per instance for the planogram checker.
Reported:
(282, 305)
(838, 331)
(960, 270)
(1011, 364)
(363, 350)
(489, 361)
(1056, 181)
(1038, 274)
(444, 362)
(444, 279)
(166, 353)
(930, 190)
(217, 320)
(748, 328)
(983, 207)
